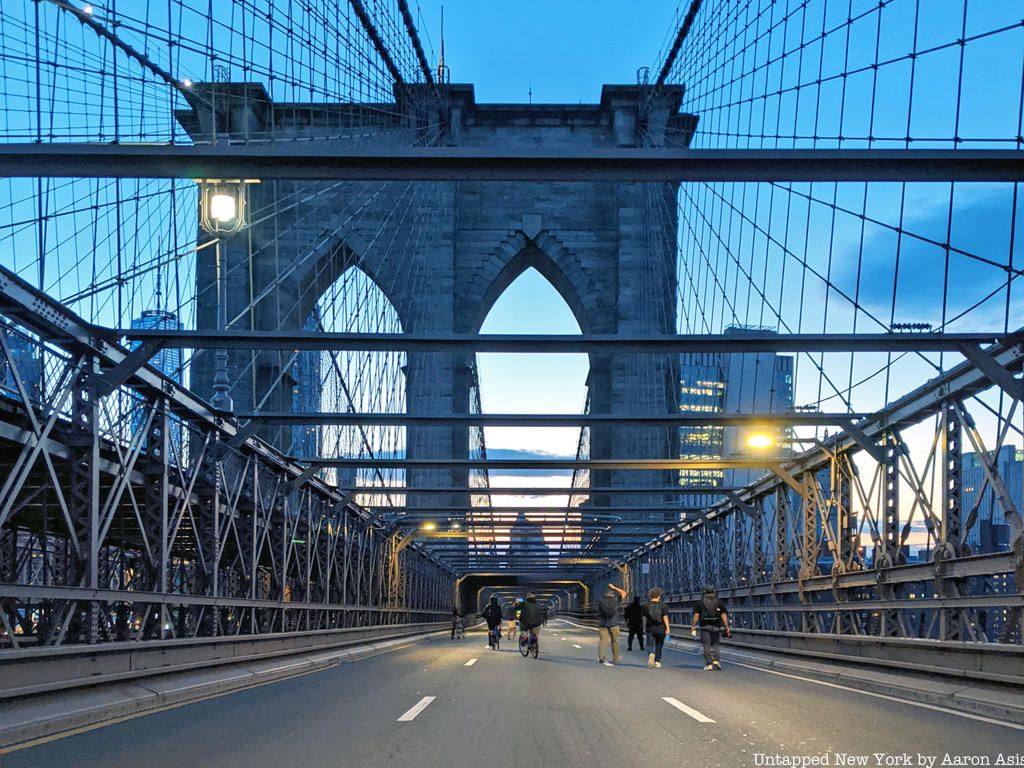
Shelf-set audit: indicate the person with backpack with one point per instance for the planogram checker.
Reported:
(658, 630)
(530, 619)
(634, 615)
(608, 625)
(711, 615)
(492, 615)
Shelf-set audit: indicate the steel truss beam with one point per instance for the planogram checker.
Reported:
(545, 464)
(766, 546)
(544, 491)
(203, 539)
(332, 161)
(341, 418)
(560, 344)
(552, 513)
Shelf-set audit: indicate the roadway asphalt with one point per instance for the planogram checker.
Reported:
(563, 709)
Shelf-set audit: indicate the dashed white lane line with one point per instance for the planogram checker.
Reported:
(470, 663)
(419, 707)
(700, 717)
(576, 646)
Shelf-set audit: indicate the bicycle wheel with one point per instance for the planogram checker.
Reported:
(524, 646)
(535, 648)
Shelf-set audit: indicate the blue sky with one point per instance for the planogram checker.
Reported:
(564, 51)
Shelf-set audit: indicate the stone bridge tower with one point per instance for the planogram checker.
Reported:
(608, 248)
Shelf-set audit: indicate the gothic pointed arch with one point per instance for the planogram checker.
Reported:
(544, 253)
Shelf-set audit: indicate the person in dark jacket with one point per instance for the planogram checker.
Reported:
(634, 615)
(657, 626)
(492, 615)
(713, 619)
(532, 616)
(456, 620)
(608, 625)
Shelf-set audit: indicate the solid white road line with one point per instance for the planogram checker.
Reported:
(700, 717)
(411, 714)
(470, 663)
(576, 646)
(920, 704)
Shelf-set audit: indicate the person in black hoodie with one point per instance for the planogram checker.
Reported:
(634, 615)
(656, 615)
(492, 615)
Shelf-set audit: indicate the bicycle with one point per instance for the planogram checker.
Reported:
(460, 630)
(494, 638)
(528, 643)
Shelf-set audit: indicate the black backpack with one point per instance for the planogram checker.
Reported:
(654, 613)
(710, 614)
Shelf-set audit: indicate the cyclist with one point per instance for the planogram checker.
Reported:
(514, 623)
(530, 619)
(492, 615)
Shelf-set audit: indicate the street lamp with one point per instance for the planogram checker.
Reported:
(762, 440)
(222, 205)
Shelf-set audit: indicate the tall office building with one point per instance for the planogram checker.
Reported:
(991, 531)
(755, 382)
(728, 382)
(526, 540)
(168, 361)
(701, 391)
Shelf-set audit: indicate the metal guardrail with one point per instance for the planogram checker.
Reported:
(31, 671)
(993, 662)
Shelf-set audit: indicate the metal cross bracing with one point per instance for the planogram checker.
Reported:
(133, 508)
(790, 558)
(136, 514)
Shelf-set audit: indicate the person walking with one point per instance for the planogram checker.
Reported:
(711, 615)
(456, 621)
(658, 630)
(634, 615)
(608, 625)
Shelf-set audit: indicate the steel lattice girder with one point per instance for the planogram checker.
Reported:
(340, 160)
(239, 502)
(963, 381)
